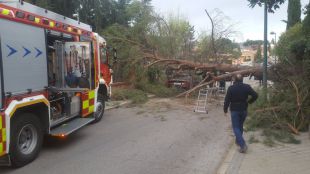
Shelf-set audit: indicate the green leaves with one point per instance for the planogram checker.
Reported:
(224, 46)
(272, 5)
(258, 56)
(288, 44)
(293, 13)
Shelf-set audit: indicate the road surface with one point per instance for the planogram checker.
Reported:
(160, 137)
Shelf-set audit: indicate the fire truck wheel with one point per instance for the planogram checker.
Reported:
(26, 139)
(100, 109)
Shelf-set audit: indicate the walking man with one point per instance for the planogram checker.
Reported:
(237, 100)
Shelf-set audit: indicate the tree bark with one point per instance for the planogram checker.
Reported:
(219, 78)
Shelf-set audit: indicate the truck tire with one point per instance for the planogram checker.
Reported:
(26, 139)
(100, 109)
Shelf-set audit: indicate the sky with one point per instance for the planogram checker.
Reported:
(249, 22)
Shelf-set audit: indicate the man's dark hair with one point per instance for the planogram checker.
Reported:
(238, 78)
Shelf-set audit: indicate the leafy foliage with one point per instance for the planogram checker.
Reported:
(306, 22)
(98, 13)
(135, 95)
(223, 46)
(258, 56)
(253, 42)
(272, 5)
(292, 44)
(293, 13)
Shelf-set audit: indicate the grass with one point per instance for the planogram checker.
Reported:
(268, 141)
(157, 89)
(253, 139)
(135, 95)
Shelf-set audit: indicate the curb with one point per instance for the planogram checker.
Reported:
(117, 105)
(122, 103)
(226, 163)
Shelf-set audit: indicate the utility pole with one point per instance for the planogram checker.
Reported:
(265, 50)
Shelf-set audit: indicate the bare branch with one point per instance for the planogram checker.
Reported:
(212, 36)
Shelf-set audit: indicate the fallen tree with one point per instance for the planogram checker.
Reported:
(219, 78)
(182, 64)
(227, 70)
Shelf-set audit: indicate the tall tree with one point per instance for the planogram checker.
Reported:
(97, 13)
(306, 31)
(293, 13)
(306, 21)
(253, 42)
(66, 8)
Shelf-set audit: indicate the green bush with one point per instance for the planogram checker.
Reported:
(135, 95)
(288, 44)
(153, 74)
(160, 90)
(152, 81)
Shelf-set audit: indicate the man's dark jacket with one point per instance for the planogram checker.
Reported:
(237, 97)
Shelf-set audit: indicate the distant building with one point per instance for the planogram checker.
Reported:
(247, 57)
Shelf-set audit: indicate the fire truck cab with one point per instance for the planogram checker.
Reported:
(54, 79)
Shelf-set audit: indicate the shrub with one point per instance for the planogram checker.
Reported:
(135, 95)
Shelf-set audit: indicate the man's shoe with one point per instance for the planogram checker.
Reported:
(244, 149)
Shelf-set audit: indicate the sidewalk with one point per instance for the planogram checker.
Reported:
(260, 159)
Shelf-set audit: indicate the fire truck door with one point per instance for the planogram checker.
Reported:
(23, 53)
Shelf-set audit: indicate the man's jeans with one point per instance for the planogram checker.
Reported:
(237, 119)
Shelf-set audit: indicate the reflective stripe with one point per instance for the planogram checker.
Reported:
(91, 94)
(5, 12)
(85, 104)
(2, 135)
(52, 24)
(88, 103)
(29, 103)
(91, 109)
(37, 20)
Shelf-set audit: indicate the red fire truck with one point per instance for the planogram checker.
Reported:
(54, 78)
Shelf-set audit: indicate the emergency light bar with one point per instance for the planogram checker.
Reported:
(6, 12)
(27, 17)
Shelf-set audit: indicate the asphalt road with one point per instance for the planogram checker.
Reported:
(161, 137)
